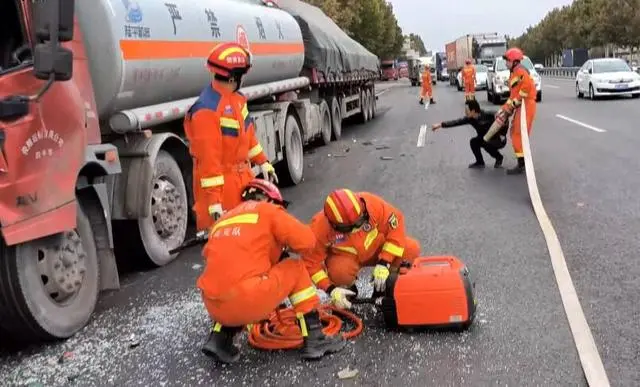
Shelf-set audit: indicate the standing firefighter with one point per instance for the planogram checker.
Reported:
(245, 278)
(354, 230)
(427, 89)
(469, 80)
(523, 90)
(221, 135)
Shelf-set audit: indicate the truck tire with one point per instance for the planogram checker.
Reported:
(325, 123)
(336, 118)
(291, 168)
(49, 287)
(364, 110)
(374, 103)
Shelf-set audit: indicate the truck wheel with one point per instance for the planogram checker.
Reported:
(336, 118)
(364, 110)
(49, 287)
(374, 103)
(166, 226)
(290, 169)
(325, 123)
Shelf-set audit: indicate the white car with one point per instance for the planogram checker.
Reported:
(607, 76)
(498, 80)
(481, 77)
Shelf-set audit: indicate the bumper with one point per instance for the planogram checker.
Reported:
(607, 89)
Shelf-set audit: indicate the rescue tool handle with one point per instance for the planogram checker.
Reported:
(201, 238)
(432, 261)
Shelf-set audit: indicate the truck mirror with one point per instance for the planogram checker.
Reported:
(49, 58)
(52, 15)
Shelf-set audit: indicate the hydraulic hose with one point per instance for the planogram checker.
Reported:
(281, 331)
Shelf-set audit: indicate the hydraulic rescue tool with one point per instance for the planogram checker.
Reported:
(432, 292)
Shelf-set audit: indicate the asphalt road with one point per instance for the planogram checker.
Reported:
(588, 182)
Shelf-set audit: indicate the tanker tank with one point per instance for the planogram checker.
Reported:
(327, 47)
(147, 52)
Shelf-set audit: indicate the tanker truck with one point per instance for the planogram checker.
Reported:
(93, 162)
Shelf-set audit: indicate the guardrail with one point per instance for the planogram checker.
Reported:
(559, 72)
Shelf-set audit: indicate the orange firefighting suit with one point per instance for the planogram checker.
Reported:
(243, 282)
(426, 92)
(338, 257)
(469, 81)
(222, 142)
(523, 90)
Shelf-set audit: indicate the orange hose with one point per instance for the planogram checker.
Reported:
(281, 331)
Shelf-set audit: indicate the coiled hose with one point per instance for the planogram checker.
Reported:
(281, 331)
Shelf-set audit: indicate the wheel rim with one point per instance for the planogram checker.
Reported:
(167, 208)
(62, 268)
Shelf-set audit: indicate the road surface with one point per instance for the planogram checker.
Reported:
(588, 181)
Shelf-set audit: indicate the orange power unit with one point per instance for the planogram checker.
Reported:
(432, 292)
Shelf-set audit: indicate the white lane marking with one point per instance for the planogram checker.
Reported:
(421, 136)
(587, 350)
(580, 123)
(552, 86)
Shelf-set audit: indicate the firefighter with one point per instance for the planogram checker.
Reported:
(244, 279)
(522, 90)
(469, 80)
(354, 230)
(481, 121)
(222, 139)
(427, 89)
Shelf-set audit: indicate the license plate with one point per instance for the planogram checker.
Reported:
(621, 86)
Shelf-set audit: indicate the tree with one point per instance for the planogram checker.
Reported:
(417, 44)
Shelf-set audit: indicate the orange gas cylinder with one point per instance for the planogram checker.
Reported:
(433, 292)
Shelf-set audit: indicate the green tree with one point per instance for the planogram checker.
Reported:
(417, 44)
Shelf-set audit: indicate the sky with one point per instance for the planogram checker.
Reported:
(440, 22)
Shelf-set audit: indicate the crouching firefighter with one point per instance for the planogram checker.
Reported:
(481, 121)
(354, 230)
(523, 90)
(244, 279)
(222, 139)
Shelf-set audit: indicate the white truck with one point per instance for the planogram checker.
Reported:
(93, 161)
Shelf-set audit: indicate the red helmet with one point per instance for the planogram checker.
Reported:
(260, 189)
(229, 60)
(513, 54)
(344, 210)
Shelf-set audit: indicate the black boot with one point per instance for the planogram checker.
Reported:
(517, 170)
(476, 165)
(220, 344)
(499, 159)
(421, 101)
(431, 101)
(316, 343)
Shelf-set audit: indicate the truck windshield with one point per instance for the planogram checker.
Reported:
(610, 66)
(492, 50)
(481, 69)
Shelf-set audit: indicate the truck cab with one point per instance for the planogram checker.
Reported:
(498, 80)
(389, 70)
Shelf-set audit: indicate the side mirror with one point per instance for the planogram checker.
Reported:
(49, 59)
(590, 71)
(53, 20)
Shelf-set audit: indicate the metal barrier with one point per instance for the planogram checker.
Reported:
(559, 72)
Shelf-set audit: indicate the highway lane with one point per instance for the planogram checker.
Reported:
(520, 338)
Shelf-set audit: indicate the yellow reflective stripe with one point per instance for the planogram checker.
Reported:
(523, 93)
(515, 81)
(249, 327)
(347, 249)
(393, 249)
(371, 237)
(229, 51)
(319, 276)
(255, 151)
(217, 327)
(519, 154)
(245, 112)
(334, 210)
(303, 324)
(238, 219)
(354, 200)
(229, 123)
(209, 182)
(302, 295)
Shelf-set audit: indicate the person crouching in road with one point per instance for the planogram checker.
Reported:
(469, 80)
(481, 121)
(244, 279)
(222, 139)
(523, 90)
(427, 90)
(354, 230)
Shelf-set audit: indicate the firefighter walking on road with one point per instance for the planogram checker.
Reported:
(427, 90)
(469, 80)
(523, 91)
(354, 230)
(222, 139)
(245, 278)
